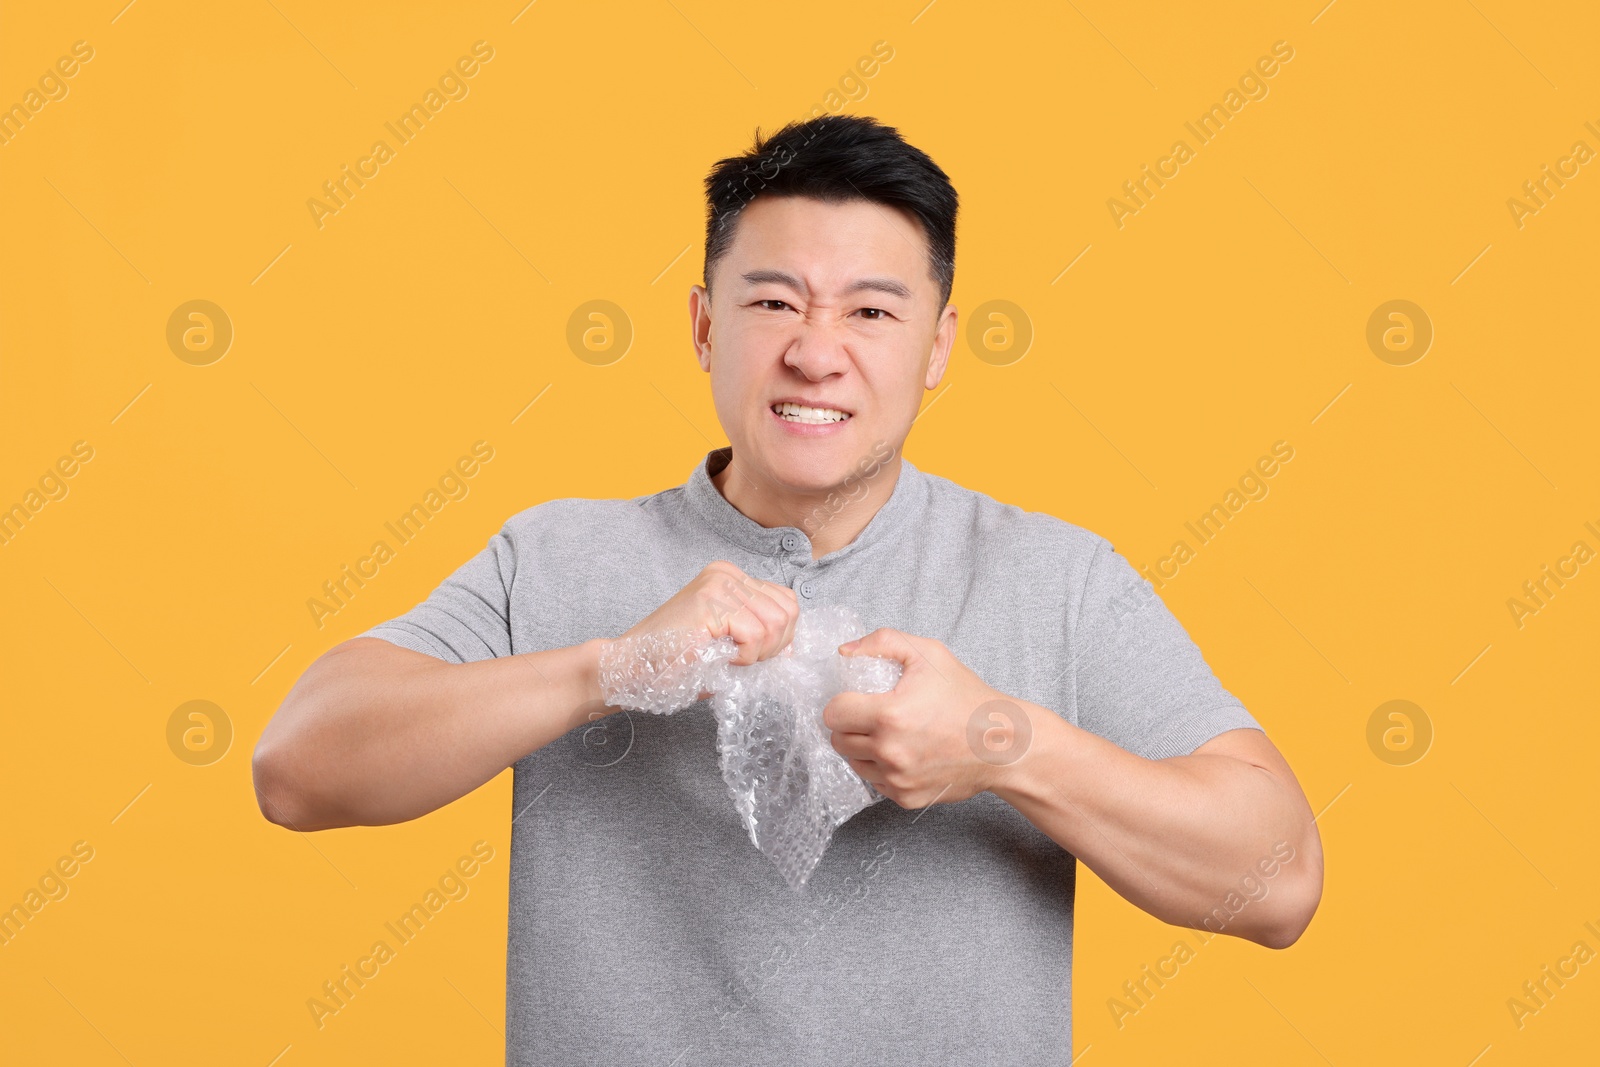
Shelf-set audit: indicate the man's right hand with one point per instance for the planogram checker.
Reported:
(723, 601)
(356, 742)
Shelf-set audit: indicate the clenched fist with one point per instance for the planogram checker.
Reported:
(724, 601)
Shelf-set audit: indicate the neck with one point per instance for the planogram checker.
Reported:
(829, 517)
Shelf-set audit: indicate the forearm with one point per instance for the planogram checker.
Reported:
(374, 734)
(1180, 837)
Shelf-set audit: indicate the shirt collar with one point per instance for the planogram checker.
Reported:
(710, 506)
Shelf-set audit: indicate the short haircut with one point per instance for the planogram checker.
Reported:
(837, 158)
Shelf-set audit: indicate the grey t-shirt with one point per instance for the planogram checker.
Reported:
(644, 926)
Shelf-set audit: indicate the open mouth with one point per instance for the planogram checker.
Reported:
(808, 415)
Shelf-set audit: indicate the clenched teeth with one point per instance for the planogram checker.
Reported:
(813, 416)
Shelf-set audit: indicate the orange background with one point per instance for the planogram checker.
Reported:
(1229, 313)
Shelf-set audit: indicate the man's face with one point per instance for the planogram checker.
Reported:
(831, 306)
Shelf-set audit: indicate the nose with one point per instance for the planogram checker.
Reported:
(816, 352)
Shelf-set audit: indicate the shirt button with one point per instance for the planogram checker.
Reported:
(808, 589)
(790, 542)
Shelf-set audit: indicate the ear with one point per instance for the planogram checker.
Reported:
(700, 324)
(943, 341)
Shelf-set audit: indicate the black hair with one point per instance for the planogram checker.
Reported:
(837, 158)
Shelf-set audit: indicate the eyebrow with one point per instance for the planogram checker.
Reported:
(877, 285)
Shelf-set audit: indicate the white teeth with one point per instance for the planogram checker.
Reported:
(811, 416)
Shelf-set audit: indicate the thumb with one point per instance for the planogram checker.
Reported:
(890, 644)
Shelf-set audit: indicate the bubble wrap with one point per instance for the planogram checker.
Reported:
(789, 784)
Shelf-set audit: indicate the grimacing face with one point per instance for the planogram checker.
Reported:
(832, 306)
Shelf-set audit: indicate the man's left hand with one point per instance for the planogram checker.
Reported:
(938, 736)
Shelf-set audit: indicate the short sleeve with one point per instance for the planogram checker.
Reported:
(1141, 681)
(468, 617)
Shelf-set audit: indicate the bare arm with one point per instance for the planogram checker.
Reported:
(374, 734)
(1221, 839)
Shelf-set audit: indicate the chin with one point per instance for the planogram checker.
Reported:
(806, 467)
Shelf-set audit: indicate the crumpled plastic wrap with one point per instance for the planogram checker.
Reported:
(791, 787)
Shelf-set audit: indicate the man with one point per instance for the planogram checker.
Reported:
(1050, 707)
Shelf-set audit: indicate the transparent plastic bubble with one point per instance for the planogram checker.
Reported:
(789, 785)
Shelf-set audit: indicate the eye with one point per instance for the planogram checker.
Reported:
(781, 304)
(879, 316)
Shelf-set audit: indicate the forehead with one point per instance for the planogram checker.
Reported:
(828, 243)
